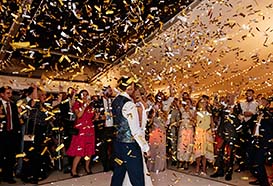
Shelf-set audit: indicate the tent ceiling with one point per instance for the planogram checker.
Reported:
(72, 39)
(219, 46)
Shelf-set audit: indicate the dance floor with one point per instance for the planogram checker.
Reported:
(170, 177)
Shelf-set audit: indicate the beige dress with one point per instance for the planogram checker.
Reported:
(203, 139)
(185, 137)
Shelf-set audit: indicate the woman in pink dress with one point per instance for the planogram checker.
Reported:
(82, 144)
(157, 139)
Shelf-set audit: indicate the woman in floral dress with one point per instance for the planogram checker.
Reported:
(203, 139)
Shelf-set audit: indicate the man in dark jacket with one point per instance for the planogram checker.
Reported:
(10, 130)
(228, 134)
(261, 143)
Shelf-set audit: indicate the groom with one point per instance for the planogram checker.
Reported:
(128, 142)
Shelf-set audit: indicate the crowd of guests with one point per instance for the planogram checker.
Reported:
(128, 126)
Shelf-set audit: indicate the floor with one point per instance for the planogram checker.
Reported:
(170, 177)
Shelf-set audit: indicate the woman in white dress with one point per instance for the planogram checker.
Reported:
(139, 96)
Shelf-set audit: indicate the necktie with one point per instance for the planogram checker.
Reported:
(8, 117)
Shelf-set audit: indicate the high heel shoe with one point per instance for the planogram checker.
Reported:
(88, 172)
(186, 166)
(74, 175)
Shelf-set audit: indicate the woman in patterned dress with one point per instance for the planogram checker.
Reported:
(203, 147)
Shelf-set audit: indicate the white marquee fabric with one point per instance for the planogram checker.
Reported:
(219, 46)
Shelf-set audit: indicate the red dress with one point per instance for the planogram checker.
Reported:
(83, 144)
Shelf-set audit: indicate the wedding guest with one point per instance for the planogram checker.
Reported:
(174, 118)
(37, 130)
(248, 109)
(10, 132)
(186, 134)
(157, 139)
(261, 143)
(67, 120)
(228, 139)
(203, 138)
(24, 114)
(105, 127)
(82, 144)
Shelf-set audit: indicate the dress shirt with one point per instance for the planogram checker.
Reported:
(5, 107)
(108, 112)
(249, 107)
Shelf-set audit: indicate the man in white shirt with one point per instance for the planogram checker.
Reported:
(248, 109)
(106, 130)
(129, 141)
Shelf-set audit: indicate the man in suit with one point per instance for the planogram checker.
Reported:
(68, 118)
(261, 143)
(128, 142)
(10, 130)
(228, 139)
(248, 109)
(105, 127)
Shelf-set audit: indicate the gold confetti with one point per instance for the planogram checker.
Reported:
(44, 150)
(118, 161)
(244, 178)
(61, 2)
(21, 155)
(109, 12)
(59, 147)
(86, 158)
(17, 45)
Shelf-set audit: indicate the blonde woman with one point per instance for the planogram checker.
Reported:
(203, 147)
